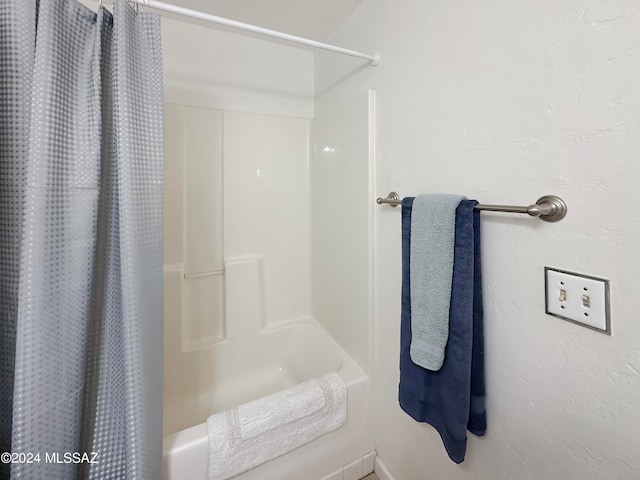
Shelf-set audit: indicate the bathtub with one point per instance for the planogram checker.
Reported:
(249, 368)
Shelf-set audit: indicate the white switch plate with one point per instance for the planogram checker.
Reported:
(585, 300)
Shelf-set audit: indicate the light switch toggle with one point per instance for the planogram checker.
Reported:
(585, 301)
(563, 296)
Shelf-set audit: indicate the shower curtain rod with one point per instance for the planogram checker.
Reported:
(185, 12)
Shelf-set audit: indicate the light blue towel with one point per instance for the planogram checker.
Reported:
(433, 221)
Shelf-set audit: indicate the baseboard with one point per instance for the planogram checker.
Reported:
(382, 471)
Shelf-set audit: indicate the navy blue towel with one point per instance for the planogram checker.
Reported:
(452, 398)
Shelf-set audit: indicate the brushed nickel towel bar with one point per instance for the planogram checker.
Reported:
(549, 208)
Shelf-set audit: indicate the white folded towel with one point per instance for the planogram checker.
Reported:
(259, 431)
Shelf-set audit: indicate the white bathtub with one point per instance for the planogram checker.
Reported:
(249, 368)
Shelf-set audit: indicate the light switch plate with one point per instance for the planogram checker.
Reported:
(578, 298)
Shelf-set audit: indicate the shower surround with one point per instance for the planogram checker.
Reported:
(239, 322)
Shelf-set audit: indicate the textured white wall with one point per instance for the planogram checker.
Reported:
(506, 101)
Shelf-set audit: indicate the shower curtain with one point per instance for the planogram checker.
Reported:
(80, 241)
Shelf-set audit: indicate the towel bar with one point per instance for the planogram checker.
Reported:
(549, 208)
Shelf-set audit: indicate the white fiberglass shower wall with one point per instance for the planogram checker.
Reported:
(237, 257)
(264, 286)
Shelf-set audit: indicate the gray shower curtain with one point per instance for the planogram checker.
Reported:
(80, 241)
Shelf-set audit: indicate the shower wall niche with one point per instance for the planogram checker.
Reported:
(237, 243)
